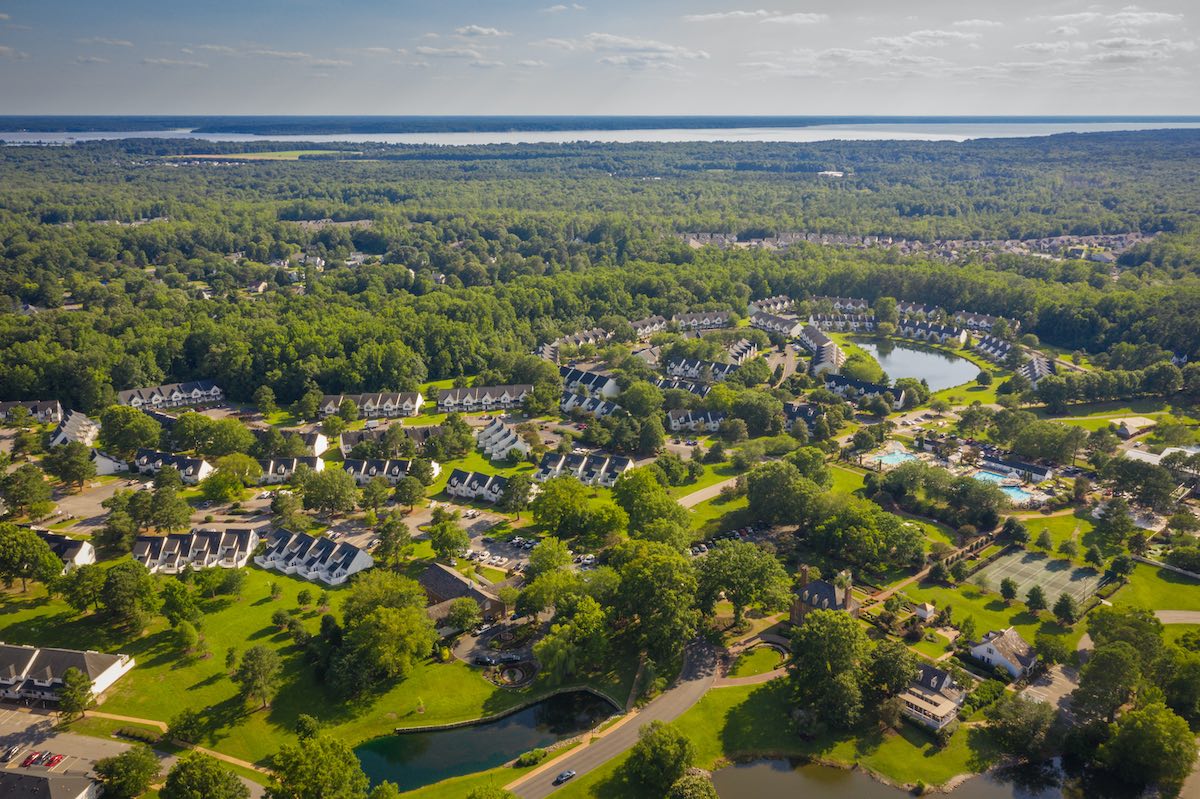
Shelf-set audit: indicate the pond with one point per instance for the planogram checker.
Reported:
(771, 778)
(412, 760)
(939, 369)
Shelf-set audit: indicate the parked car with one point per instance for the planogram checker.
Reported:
(485, 660)
(54, 761)
(11, 753)
(29, 758)
(566, 775)
(43, 758)
(510, 658)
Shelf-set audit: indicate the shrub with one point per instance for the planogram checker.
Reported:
(531, 758)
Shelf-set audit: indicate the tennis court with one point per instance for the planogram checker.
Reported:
(1028, 569)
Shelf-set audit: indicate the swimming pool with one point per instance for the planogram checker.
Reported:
(1018, 495)
(895, 458)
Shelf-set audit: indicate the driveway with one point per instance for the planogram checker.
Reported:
(1054, 687)
(699, 671)
(36, 732)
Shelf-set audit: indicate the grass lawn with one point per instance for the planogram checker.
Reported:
(745, 721)
(1173, 632)
(990, 611)
(164, 682)
(475, 461)
(283, 418)
(717, 514)
(1077, 527)
(932, 649)
(1159, 589)
(758, 660)
(713, 474)
(846, 481)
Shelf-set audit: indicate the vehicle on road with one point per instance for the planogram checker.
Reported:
(54, 761)
(11, 752)
(566, 775)
(485, 660)
(29, 758)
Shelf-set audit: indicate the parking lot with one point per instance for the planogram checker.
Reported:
(752, 533)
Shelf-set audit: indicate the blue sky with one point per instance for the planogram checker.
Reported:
(617, 56)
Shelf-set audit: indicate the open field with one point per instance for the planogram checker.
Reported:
(990, 610)
(1159, 589)
(1028, 569)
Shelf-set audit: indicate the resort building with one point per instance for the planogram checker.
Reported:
(199, 549)
(1005, 649)
(36, 673)
(373, 406)
(318, 559)
(932, 699)
(172, 395)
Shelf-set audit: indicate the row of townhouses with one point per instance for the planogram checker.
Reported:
(785, 326)
(37, 673)
(315, 442)
(994, 349)
(365, 470)
(703, 320)
(598, 469)
(644, 328)
(172, 395)
(591, 383)
(844, 304)
(77, 428)
(280, 470)
(200, 549)
(418, 434)
(191, 470)
(676, 384)
(387, 404)
(772, 305)
(476, 486)
(679, 420)
(852, 388)
(800, 412)
(741, 351)
(931, 331)
(827, 356)
(317, 559)
(591, 406)
(42, 411)
(697, 369)
(497, 440)
(482, 398)
(596, 335)
(71, 551)
(843, 322)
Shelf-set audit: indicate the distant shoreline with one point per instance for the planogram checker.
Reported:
(272, 125)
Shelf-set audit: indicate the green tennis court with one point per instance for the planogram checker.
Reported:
(1034, 568)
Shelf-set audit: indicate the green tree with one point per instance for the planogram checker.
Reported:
(661, 756)
(388, 642)
(1107, 681)
(375, 493)
(25, 556)
(321, 767)
(380, 589)
(561, 505)
(488, 792)
(639, 493)
(779, 494)
(1035, 599)
(1066, 610)
(1020, 726)
(25, 488)
(1008, 589)
(179, 603)
(549, 555)
(464, 614)
(81, 586)
(227, 436)
(71, 463)
(395, 541)
(745, 574)
(330, 491)
(693, 786)
(516, 494)
(448, 539)
(125, 430)
(827, 650)
(657, 595)
(128, 594)
(168, 510)
(128, 774)
(75, 697)
(264, 399)
(200, 776)
(1150, 745)
(258, 673)
(409, 491)
(891, 667)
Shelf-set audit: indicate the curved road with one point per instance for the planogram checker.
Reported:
(699, 671)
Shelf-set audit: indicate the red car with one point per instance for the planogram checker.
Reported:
(54, 761)
(28, 761)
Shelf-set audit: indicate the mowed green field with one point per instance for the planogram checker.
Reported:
(165, 682)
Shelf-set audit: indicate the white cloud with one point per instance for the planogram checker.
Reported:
(924, 38)
(217, 48)
(285, 55)
(1065, 30)
(106, 41)
(15, 55)
(558, 44)
(90, 59)
(330, 62)
(719, 16)
(485, 64)
(479, 30)
(173, 63)
(532, 63)
(4, 17)
(1051, 47)
(1127, 17)
(450, 52)
(634, 53)
(561, 7)
(978, 23)
(796, 19)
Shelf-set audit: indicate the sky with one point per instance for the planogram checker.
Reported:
(722, 57)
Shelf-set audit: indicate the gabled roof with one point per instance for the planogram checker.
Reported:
(442, 583)
(166, 390)
(26, 785)
(1011, 645)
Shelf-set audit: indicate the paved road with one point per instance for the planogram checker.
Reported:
(708, 492)
(698, 674)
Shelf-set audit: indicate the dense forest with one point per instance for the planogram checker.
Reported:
(126, 263)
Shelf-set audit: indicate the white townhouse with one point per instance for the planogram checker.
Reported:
(674, 383)
(1006, 649)
(771, 305)
(697, 369)
(598, 469)
(36, 673)
(497, 440)
(365, 470)
(827, 356)
(643, 328)
(172, 395)
(191, 470)
(592, 383)
(931, 331)
(386, 404)
(905, 308)
(42, 411)
(843, 322)
(482, 398)
(594, 336)
(200, 549)
(71, 551)
(75, 427)
(853, 388)
(581, 403)
(741, 351)
(779, 325)
(316, 559)
(802, 413)
(845, 304)
(982, 321)
(694, 421)
(994, 349)
(703, 320)
(280, 470)
(932, 699)
(476, 486)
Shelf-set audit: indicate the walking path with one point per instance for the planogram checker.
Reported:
(699, 672)
(706, 493)
(163, 727)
